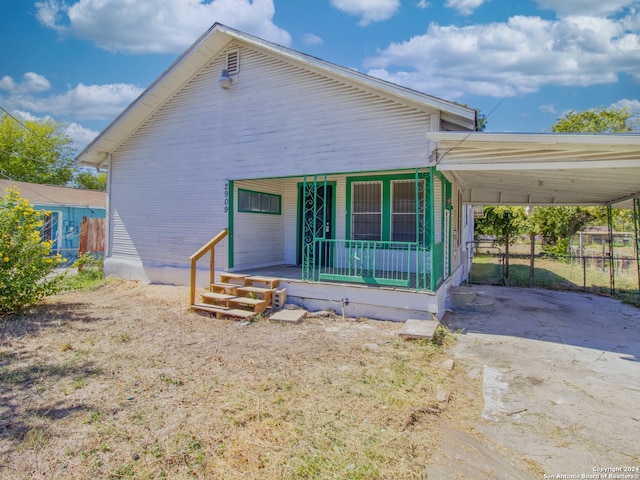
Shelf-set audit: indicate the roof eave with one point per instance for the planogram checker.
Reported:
(537, 138)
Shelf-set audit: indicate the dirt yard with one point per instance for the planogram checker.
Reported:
(124, 382)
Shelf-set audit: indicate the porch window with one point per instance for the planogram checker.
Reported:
(258, 202)
(366, 211)
(382, 208)
(403, 209)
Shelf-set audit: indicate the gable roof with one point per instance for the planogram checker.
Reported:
(52, 195)
(211, 44)
(542, 169)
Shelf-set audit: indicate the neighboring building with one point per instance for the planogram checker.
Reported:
(67, 207)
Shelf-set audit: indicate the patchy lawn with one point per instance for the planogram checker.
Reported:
(123, 382)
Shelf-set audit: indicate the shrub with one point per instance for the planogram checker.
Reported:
(560, 250)
(26, 261)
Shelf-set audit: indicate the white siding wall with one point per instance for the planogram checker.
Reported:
(259, 238)
(168, 178)
(291, 221)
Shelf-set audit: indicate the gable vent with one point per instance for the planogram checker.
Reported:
(233, 62)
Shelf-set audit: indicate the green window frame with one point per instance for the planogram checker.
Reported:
(251, 201)
(366, 211)
(396, 214)
(403, 209)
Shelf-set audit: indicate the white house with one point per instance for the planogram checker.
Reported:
(305, 163)
(318, 170)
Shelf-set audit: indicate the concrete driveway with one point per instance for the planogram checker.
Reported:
(560, 376)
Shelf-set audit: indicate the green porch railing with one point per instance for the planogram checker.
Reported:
(401, 264)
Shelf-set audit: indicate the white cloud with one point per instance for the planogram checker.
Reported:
(632, 105)
(31, 83)
(157, 26)
(27, 116)
(369, 11)
(516, 57)
(548, 108)
(464, 7)
(586, 7)
(312, 39)
(80, 135)
(7, 83)
(423, 4)
(634, 108)
(83, 102)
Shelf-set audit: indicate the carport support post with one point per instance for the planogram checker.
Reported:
(612, 275)
(533, 255)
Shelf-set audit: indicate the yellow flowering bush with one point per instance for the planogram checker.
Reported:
(26, 260)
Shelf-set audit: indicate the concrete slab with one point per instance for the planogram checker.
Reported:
(289, 316)
(559, 378)
(418, 329)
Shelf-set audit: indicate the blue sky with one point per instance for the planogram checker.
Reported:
(523, 63)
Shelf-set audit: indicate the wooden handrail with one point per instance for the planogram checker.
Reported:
(208, 247)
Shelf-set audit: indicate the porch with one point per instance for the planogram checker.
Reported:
(382, 302)
(373, 244)
(389, 228)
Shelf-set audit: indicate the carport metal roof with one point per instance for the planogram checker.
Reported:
(541, 169)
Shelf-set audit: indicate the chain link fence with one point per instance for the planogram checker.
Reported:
(594, 271)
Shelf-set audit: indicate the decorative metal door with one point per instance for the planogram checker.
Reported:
(316, 224)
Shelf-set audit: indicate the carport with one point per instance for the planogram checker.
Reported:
(544, 169)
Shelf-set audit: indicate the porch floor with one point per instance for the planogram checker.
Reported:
(292, 273)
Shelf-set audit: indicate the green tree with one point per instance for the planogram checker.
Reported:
(481, 121)
(35, 151)
(89, 180)
(25, 260)
(558, 224)
(596, 120)
(504, 224)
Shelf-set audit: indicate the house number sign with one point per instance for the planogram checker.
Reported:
(226, 197)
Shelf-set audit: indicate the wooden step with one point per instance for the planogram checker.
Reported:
(223, 300)
(234, 278)
(258, 305)
(228, 288)
(215, 298)
(222, 312)
(263, 293)
(269, 282)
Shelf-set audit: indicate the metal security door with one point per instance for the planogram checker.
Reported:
(315, 225)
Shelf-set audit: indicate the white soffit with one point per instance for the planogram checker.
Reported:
(541, 169)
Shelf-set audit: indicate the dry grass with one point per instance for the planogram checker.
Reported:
(123, 382)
